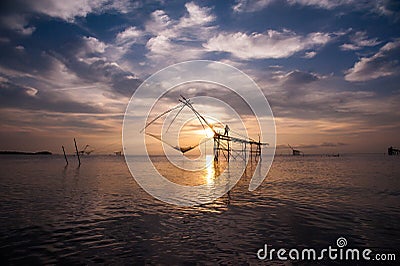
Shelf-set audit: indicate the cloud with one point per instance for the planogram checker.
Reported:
(304, 102)
(324, 4)
(87, 73)
(160, 46)
(20, 48)
(81, 63)
(93, 45)
(358, 41)
(388, 8)
(16, 14)
(298, 77)
(165, 51)
(17, 23)
(173, 40)
(159, 22)
(307, 95)
(66, 10)
(28, 98)
(69, 10)
(256, 5)
(85, 61)
(384, 63)
(381, 7)
(129, 35)
(192, 25)
(310, 54)
(196, 16)
(100, 70)
(271, 44)
(250, 5)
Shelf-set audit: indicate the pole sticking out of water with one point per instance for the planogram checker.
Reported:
(65, 156)
(77, 152)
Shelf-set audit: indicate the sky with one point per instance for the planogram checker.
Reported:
(330, 69)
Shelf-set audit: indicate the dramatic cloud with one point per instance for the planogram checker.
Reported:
(178, 40)
(271, 44)
(73, 65)
(305, 102)
(312, 112)
(89, 63)
(80, 64)
(384, 63)
(358, 41)
(191, 26)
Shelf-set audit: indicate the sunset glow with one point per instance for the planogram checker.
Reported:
(69, 70)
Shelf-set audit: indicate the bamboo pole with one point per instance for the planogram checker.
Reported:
(65, 156)
(77, 152)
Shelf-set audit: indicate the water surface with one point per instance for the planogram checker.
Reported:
(98, 214)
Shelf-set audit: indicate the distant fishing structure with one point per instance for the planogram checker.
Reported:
(393, 151)
(223, 142)
(296, 152)
(86, 150)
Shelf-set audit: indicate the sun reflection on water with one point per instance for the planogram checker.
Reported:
(210, 173)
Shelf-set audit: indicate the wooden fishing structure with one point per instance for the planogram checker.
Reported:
(223, 142)
(296, 152)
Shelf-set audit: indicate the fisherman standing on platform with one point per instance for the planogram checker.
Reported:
(226, 130)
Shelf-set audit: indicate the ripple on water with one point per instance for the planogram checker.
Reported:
(98, 214)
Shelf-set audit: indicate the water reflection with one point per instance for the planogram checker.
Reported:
(210, 170)
(100, 214)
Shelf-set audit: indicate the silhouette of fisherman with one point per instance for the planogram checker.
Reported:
(226, 130)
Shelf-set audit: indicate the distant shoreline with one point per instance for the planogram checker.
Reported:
(26, 153)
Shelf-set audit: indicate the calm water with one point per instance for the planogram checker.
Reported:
(98, 214)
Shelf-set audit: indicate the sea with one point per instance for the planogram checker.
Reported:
(96, 213)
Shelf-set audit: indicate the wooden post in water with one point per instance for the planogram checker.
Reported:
(251, 151)
(245, 151)
(259, 147)
(65, 156)
(229, 149)
(77, 152)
